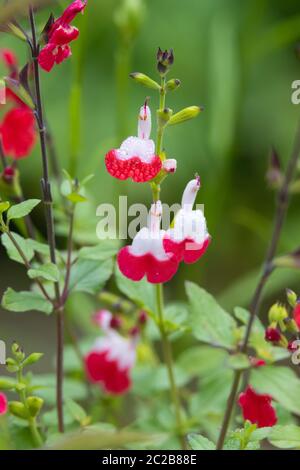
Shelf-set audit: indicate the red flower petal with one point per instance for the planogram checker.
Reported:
(183, 251)
(46, 57)
(63, 53)
(72, 11)
(106, 372)
(296, 314)
(9, 58)
(18, 132)
(257, 408)
(136, 267)
(63, 35)
(133, 167)
(3, 404)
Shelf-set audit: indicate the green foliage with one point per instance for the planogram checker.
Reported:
(141, 293)
(198, 442)
(48, 272)
(208, 321)
(104, 250)
(89, 275)
(25, 301)
(11, 250)
(21, 210)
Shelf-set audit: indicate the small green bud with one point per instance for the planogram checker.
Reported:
(165, 59)
(291, 325)
(173, 84)
(145, 80)
(17, 408)
(7, 384)
(20, 387)
(34, 405)
(18, 352)
(4, 206)
(164, 116)
(291, 297)
(16, 31)
(185, 115)
(32, 359)
(277, 313)
(11, 365)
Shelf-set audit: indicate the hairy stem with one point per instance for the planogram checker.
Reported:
(280, 214)
(47, 199)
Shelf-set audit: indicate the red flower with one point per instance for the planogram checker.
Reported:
(136, 157)
(256, 362)
(272, 335)
(18, 132)
(60, 35)
(9, 59)
(110, 362)
(296, 314)
(188, 240)
(146, 256)
(3, 404)
(257, 408)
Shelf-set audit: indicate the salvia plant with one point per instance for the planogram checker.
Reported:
(124, 381)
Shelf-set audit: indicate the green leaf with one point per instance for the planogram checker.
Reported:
(76, 198)
(142, 293)
(104, 250)
(90, 276)
(201, 360)
(21, 210)
(46, 385)
(48, 271)
(208, 321)
(25, 301)
(285, 437)
(279, 382)
(11, 250)
(239, 361)
(198, 442)
(75, 410)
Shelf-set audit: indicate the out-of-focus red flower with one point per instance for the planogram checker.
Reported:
(18, 132)
(257, 408)
(3, 404)
(256, 362)
(296, 314)
(8, 174)
(9, 58)
(272, 335)
(60, 35)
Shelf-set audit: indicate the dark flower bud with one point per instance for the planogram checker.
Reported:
(8, 174)
(165, 59)
(292, 346)
(143, 317)
(272, 335)
(274, 174)
(116, 322)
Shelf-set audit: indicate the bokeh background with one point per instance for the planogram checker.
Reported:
(235, 58)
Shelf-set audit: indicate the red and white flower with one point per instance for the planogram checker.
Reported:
(3, 404)
(111, 360)
(136, 157)
(257, 408)
(60, 35)
(188, 239)
(146, 256)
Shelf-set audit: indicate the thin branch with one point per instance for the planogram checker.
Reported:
(280, 214)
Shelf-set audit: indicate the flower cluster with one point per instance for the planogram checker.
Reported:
(59, 34)
(17, 128)
(112, 357)
(284, 322)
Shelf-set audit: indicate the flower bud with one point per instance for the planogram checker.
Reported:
(272, 335)
(165, 60)
(170, 165)
(17, 408)
(293, 345)
(143, 317)
(291, 297)
(185, 115)
(256, 362)
(134, 331)
(274, 175)
(296, 314)
(116, 322)
(18, 352)
(173, 84)
(8, 174)
(164, 116)
(145, 80)
(291, 325)
(291, 260)
(34, 405)
(277, 313)
(4, 206)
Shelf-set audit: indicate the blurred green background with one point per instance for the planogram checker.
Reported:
(235, 58)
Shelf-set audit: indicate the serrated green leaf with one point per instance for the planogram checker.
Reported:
(48, 271)
(21, 210)
(239, 361)
(90, 276)
(208, 321)
(75, 410)
(11, 250)
(198, 442)
(25, 301)
(285, 437)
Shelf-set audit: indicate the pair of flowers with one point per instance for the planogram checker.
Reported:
(156, 253)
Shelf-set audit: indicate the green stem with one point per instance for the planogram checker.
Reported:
(37, 438)
(167, 350)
